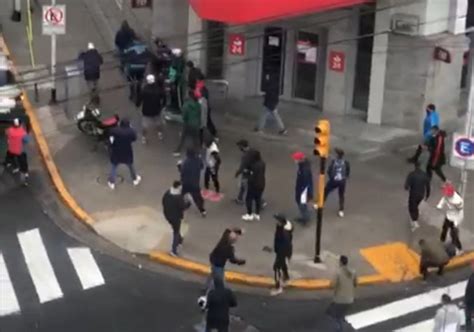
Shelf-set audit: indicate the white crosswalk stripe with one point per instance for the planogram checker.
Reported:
(41, 270)
(406, 306)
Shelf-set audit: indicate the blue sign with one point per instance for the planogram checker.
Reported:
(464, 147)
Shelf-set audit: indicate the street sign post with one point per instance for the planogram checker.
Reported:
(462, 151)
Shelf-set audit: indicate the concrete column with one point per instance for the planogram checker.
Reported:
(351, 60)
(196, 40)
(457, 16)
(379, 64)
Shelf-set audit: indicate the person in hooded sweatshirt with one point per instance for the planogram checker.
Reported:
(92, 60)
(17, 138)
(304, 192)
(256, 186)
(213, 163)
(437, 159)
(431, 120)
(190, 170)
(469, 299)
(174, 206)
(125, 36)
(449, 317)
(152, 100)
(219, 301)
(191, 123)
(453, 204)
(418, 185)
(339, 171)
(283, 247)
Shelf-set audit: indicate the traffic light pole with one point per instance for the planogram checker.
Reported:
(319, 212)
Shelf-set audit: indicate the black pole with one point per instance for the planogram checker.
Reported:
(319, 213)
(53, 99)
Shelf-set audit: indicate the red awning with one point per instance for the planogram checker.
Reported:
(251, 11)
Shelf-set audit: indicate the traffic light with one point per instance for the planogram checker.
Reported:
(322, 137)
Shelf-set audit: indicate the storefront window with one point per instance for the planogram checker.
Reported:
(306, 65)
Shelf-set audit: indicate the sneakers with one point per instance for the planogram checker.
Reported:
(276, 291)
(247, 217)
(144, 140)
(205, 193)
(459, 252)
(283, 132)
(173, 254)
(137, 180)
(414, 225)
(204, 214)
(176, 153)
(111, 185)
(341, 214)
(256, 217)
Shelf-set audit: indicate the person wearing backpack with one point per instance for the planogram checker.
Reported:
(338, 173)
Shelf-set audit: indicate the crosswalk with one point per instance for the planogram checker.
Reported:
(396, 311)
(45, 280)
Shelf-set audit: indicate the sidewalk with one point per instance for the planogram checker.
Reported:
(373, 233)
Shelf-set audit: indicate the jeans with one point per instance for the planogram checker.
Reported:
(253, 195)
(113, 172)
(304, 212)
(270, 114)
(216, 272)
(437, 169)
(341, 187)
(177, 238)
(453, 233)
(413, 203)
(242, 188)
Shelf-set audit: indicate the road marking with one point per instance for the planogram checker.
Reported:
(86, 267)
(8, 301)
(37, 261)
(405, 306)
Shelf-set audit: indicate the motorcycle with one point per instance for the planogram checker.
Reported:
(89, 122)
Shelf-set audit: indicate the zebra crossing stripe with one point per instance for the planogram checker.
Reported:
(405, 306)
(86, 267)
(37, 261)
(8, 301)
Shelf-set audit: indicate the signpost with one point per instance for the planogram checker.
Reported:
(462, 151)
(54, 23)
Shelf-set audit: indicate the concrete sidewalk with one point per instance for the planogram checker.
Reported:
(375, 233)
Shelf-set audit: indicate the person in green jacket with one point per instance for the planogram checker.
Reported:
(191, 123)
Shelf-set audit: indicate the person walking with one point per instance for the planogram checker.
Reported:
(174, 206)
(418, 186)
(433, 254)
(431, 120)
(449, 317)
(201, 91)
(203, 101)
(453, 204)
(191, 123)
(256, 186)
(193, 74)
(469, 300)
(224, 251)
(92, 61)
(437, 159)
(124, 36)
(304, 192)
(190, 170)
(338, 172)
(219, 301)
(213, 163)
(283, 247)
(270, 104)
(344, 284)
(121, 151)
(17, 138)
(248, 154)
(152, 100)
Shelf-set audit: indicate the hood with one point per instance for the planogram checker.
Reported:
(175, 191)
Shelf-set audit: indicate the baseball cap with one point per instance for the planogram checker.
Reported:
(298, 156)
(448, 189)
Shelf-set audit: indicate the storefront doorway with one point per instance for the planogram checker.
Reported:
(273, 56)
(306, 65)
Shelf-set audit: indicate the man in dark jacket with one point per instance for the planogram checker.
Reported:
(437, 159)
(304, 185)
(256, 186)
(174, 206)
(190, 170)
(121, 151)
(433, 254)
(193, 75)
(152, 100)
(283, 247)
(191, 123)
(219, 301)
(339, 171)
(469, 300)
(125, 36)
(92, 60)
(418, 186)
(270, 103)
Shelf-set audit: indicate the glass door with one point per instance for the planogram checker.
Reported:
(306, 65)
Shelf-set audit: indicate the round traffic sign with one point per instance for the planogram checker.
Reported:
(464, 147)
(54, 16)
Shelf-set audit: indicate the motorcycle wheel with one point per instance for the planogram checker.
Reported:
(87, 127)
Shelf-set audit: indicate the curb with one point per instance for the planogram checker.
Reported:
(177, 262)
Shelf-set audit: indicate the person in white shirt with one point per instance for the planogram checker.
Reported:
(453, 204)
(449, 317)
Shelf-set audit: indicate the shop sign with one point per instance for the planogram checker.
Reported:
(141, 3)
(442, 54)
(337, 61)
(236, 44)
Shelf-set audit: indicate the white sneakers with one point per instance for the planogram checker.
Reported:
(414, 225)
(111, 185)
(136, 182)
(250, 217)
(341, 214)
(276, 291)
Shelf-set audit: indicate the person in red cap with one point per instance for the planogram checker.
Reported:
(453, 204)
(304, 191)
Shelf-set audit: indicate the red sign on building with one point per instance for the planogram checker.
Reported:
(337, 61)
(236, 44)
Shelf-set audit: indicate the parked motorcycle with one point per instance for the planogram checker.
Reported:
(89, 122)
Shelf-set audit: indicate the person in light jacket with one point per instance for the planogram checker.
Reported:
(449, 317)
(304, 192)
(453, 203)
(213, 163)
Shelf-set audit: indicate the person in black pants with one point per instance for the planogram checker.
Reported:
(283, 247)
(174, 206)
(469, 300)
(190, 170)
(256, 186)
(418, 185)
(339, 171)
(437, 159)
(219, 301)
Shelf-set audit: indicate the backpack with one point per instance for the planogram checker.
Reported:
(339, 170)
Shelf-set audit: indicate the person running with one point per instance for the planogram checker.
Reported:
(453, 203)
(433, 254)
(449, 317)
(17, 138)
(270, 104)
(338, 173)
(431, 120)
(344, 284)
(174, 206)
(418, 186)
(437, 159)
(190, 170)
(304, 186)
(219, 301)
(283, 247)
(152, 100)
(92, 61)
(213, 163)
(191, 123)
(256, 186)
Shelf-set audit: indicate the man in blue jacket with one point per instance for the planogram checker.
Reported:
(431, 120)
(304, 186)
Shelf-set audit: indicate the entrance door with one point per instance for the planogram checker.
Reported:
(306, 60)
(215, 49)
(273, 56)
